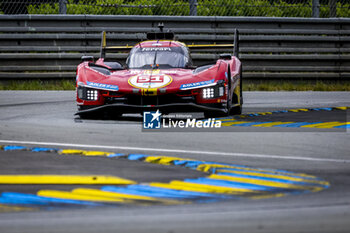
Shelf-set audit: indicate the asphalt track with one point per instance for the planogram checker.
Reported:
(46, 119)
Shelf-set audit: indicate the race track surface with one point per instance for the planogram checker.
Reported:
(46, 119)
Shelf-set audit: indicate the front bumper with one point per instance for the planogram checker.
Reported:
(167, 108)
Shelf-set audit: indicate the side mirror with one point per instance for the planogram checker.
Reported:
(87, 58)
(190, 66)
(114, 65)
(225, 56)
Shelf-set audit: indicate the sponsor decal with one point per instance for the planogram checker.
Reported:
(135, 71)
(155, 49)
(170, 71)
(197, 84)
(103, 86)
(155, 120)
(150, 81)
(149, 72)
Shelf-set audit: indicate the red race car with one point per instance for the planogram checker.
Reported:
(159, 75)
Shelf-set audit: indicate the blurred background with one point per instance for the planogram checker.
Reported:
(266, 8)
(284, 44)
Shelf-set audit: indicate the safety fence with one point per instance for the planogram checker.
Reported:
(50, 47)
(266, 8)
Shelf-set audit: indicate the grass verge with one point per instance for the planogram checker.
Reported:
(38, 85)
(247, 85)
(296, 86)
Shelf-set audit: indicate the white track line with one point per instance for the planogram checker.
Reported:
(177, 151)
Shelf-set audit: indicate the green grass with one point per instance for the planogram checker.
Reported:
(296, 86)
(247, 85)
(266, 8)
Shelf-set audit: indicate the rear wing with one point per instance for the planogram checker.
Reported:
(208, 47)
(171, 36)
(105, 48)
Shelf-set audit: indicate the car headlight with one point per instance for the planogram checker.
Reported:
(208, 93)
(85, 93)
(221, 91)
(91, 94)
(213, 92)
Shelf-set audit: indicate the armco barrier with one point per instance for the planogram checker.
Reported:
(50, 47)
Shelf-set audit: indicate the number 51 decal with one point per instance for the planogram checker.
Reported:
(148, 81)
(152, 79)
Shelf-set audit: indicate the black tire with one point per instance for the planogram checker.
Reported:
(237, 110)
(241, 87)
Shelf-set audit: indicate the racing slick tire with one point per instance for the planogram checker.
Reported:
(237, 110)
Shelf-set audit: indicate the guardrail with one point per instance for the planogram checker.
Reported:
(50, 47)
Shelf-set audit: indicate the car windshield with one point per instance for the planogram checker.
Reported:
(159, 57)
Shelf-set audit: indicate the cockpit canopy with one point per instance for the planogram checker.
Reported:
(158, 57)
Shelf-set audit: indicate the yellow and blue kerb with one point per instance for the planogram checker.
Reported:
(224, 181)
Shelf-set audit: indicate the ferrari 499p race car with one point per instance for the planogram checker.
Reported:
(159, 75)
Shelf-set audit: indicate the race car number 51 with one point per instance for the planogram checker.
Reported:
(148, 81)
(153, 79)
